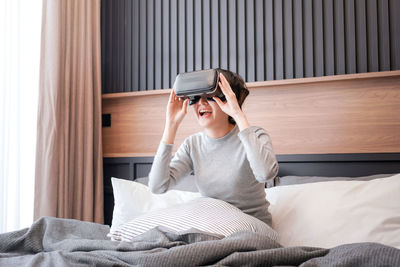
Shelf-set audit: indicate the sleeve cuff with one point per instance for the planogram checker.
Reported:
(244, 133)
(164, 148)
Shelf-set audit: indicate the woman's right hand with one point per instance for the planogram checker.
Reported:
(176, 109)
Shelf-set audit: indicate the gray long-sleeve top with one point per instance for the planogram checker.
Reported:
(232, 168)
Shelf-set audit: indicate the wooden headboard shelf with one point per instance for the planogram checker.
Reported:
(355, 113)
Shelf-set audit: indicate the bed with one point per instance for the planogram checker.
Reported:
(335, 201)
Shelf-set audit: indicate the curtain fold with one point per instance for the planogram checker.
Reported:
(69, 172)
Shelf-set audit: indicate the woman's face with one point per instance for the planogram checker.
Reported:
(209, 114)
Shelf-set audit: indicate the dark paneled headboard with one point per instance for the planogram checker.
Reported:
(330, 165)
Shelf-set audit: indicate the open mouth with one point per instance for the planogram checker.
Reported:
(205, 113)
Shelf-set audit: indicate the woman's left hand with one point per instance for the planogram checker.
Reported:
(231, 106)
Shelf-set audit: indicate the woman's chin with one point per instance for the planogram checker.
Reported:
(205, 122)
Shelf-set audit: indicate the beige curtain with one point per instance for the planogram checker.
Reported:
(69, 174)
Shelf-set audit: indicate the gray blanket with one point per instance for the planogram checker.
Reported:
(65, 242)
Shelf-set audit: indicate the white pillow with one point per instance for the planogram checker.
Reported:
(329, 214)
(133, 199)
(205, 214)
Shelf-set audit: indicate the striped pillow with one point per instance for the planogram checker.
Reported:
(205, 214)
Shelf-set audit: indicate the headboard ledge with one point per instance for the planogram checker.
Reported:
(353, 113)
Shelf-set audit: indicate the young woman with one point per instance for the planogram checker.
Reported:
(230, 159)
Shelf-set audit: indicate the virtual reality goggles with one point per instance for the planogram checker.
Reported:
(198, 84)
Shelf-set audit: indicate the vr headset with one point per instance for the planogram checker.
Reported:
(198, 84)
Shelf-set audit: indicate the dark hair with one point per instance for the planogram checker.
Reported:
(238, 87)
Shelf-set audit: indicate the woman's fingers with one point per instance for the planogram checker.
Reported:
(171, 96)
(225, 86)
(185, 105)
(223, 79)
(219, 101)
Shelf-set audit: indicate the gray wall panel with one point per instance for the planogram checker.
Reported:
(361, 35)
(127, 56)
(142, 46)
(150, 55)
(372, 33)
(189, 36)
(318, 38)
(135, 45)
(104, 40)
(121, 50)
(158, 43)
(232, 60)
(250, 41)
(269, 40)
(206, 34)
(339, 38)
(173, 52)
(383, 35)
(329, 49)
(259, 40)
(241, 37)
(224, 37)
(278, 40)
(298, 39)
(350, 38)
(145, 44)
(394, 8)
(215, 33)
(182, 27)
(166, 37)
(198, 37)
(288, 39)
(308, 38)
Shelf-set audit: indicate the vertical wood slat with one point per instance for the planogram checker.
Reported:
(215, 33)
(145, 44)
(298, 39)
(288, 39)
(241, 38)
(308, 39)
(206, 35)
(189, 35)
(259, 40)
(181, 36)
(250, 41)
(383, 35)
(104, 22)
(112, 61)
(150, 44)
(166, 66)
(142, 46)
(173, 52)
(350, 24)
(372, 33)
(339, 38)
(278, 40)
(158, 42)
(115, 82)
(318, 37)
(361, 35)
(224, 37)
(329, 56)
(127, 56)
(269, 40)
(394, 8)
(121, 48)
(232, 63)
(198, 38)
(135, 46)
